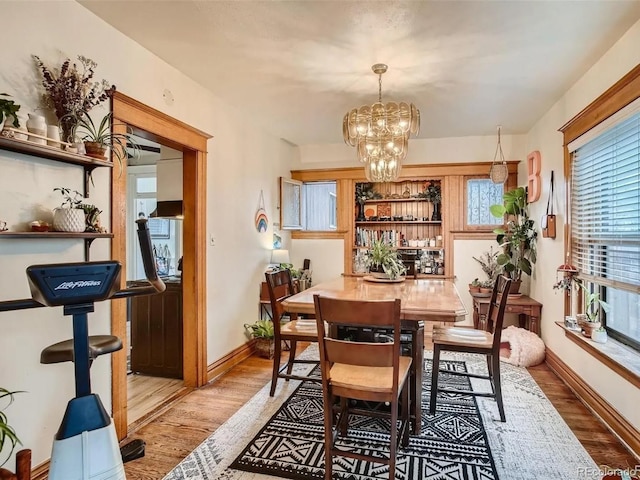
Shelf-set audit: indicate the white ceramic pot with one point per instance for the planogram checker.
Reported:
(69, 220)
(53, 132)
(599, 336)
(37, 125)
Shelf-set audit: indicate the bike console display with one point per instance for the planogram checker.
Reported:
(73, 283)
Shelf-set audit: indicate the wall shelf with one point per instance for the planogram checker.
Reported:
(409, 222)
(386, 200)
(56, 154)
(88, 237)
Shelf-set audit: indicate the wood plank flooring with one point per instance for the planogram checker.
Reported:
(145, 393)
(181, 428)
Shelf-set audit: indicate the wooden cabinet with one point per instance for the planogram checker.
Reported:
(405, 220)
(156, 332)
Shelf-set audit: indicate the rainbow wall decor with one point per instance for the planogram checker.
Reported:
(262, 221)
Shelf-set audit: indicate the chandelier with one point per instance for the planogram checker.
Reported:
(380, 133)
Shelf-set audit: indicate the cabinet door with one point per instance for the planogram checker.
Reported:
(156, 334)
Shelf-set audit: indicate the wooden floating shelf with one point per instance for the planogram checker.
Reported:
(407, 222)
(51, 153)
(386, 200)
(54, 235)
(355, 247)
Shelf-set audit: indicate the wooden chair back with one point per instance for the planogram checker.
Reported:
(497, 307)
(280, 287)
(366, 314)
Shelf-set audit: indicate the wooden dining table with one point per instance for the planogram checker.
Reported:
(422, 300)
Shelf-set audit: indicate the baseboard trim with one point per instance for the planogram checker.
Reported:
(41, 472)
(230, 360)
(617, 424)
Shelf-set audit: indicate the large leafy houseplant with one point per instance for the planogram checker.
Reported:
(7, 433)
(383, 257)
(518, 237)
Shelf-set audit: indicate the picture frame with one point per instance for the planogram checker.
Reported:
(159, 228)
(370, 210)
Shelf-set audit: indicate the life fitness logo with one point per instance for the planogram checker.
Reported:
(78, 284)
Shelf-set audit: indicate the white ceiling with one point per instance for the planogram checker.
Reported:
(299, 66)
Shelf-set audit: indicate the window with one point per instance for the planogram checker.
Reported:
(481, 194)
(309, 206)
(605, 217)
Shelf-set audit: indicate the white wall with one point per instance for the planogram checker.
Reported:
(242, 160)
(544, 136)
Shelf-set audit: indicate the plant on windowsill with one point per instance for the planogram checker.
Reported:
(385, 262)
(589, 320)
(518, 239)
(262, 332)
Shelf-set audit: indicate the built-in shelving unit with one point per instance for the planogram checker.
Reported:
(52, 153)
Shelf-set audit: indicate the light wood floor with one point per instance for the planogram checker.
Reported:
(145, 394)
(195, 416)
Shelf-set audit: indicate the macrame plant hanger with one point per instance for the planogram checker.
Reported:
(499, 171)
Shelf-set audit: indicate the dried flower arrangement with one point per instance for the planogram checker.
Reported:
(70, 91)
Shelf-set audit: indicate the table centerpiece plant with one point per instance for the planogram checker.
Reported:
(383, 257)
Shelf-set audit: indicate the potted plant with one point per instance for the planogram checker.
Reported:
(70, 91)
(97, 140)
(8, 435)
(70, 216)
(382, 257)
(489, 263)
(589, 320)
(433, 194)
(474, 286)
(518, 238)
(262, 332)
(8, 109)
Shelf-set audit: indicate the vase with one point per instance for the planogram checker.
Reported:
(599, 336)
(37, 126)
(361, 217)
(69, 220)
(53, 133)
(436, 216)
(68, 125)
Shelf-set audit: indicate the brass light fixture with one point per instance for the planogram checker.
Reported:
(380, 133)
(499, 171)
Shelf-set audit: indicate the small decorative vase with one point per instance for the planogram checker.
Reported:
(599, 336)
(361, 217)
(53, 133)
(38, 126)
(436, 216)
(69, 220)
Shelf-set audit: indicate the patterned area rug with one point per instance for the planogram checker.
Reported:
(533, 444)
(451, 444)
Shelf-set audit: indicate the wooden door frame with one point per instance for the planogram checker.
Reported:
(193, 143)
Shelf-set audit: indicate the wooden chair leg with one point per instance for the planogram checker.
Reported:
(276, 365)
(405, 414)
(292, 356)
(394, 441)
(343, 424)
(435, 368)
(329, 419)
(498, 386)
(490, 370)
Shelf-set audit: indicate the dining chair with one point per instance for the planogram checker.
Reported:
(469, 340)
(289, 329)
(363, 371)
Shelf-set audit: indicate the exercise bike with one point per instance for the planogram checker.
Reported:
(85, 446)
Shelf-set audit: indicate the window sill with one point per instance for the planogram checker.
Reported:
(314, 234)
(617, 356)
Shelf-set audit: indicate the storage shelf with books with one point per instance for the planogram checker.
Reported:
(405, 215)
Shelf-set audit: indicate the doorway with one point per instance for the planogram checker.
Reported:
(148, 123)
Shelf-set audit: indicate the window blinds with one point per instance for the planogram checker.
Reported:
(605, 206)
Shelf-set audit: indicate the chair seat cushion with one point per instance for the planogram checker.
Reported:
(371, 379)
(462, 336)
(305, 327)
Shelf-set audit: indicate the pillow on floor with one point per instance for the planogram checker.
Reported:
(521, 347)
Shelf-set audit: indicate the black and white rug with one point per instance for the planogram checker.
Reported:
(533, 444)
(451, 444)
